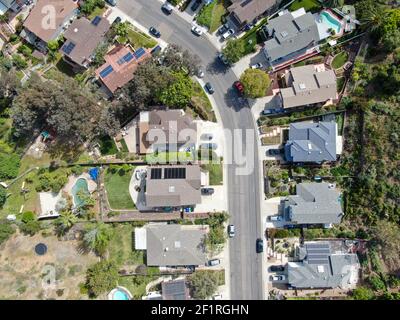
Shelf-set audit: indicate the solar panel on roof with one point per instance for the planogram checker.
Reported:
(128, 57)
(155, 173)
(174, 173)
(318, 261)
(68, 47)
(139, 53)
(106, 71)
(96, 20)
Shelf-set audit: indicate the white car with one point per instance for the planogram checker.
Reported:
(257, 66)
(197, 31)
(278, 278)
(227, 34)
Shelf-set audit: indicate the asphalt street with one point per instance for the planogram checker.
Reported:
(243, 190)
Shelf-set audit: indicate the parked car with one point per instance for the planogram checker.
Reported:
(214, 262)
(211, 146)
(268, 111)
(222, 58)
(257, 65)
(155, 32)
(167, 8)
(277, 268)
(112, 2)
(197, 30)
(275, 218)
(200, 73)
(117, 20)
(156, 50)
(274, 152)
(280, 277)
(206, 136)
(217, 297)
(227, 34)
(209, 88)
(239, 86)
(207, 191)
(248, 27)
(223, 28)
(231, 231)
(195, 5)
(259, 245)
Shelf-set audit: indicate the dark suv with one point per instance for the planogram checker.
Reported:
(259, 245)
(277, 268)
(195, 5)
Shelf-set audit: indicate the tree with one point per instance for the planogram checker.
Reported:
(255, 83)
(3, 196)
(122, 29)
(88, 6)
(6, 230)
(387, 236)
(203, 284)
(97, 237)
(101, 277)
(362, 293)
(65, 221)
(9, 82)
(391, 40)
(99, 53)
(19, 62)
(333, 3)
(9, 165)
(377, 283)
(234, 50)
(177, 59)
(178, 93)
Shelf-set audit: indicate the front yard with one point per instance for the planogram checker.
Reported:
(201, 104)
(117, 187)
(211, 16)
(215, 171)
(308, 5)
(169, 157)
(138, 39)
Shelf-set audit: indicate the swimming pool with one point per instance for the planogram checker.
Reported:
(119, 293)
(80, 185)
(330, 21)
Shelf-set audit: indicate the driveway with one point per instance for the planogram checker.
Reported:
(215, 202)
(243, 190)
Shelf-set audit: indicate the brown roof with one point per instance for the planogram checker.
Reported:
(173, 190)
(177, 127)
(38, 17)
(122, 70)
(85, 36)
(247, 10)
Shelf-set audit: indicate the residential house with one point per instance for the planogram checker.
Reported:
(293, 34)
(313, 142)
(166, 130)
(173, 186)
(172, 245)
(41, 27)
(175, 290)
(243, 12)
(82, 39)
(314, 204)
(309, 85)
(13, 5)
(121, 63)
(322, 267)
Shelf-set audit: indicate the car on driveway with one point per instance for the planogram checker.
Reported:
(259, 245)
(239, 86)
(231, 231)
(275, 218)
(112, 3)
(227, 34)
(209, 88)
(272, 111)
(223, 28)
(197, 30)
(200, 73)
(167, 8)
(117, 20)
(277, 268)
(280, 277)
(206, 136)
(209, 146)
(155, 32)
(207, 191)
(257, 65)
(214, 262)
(275, 152)
(195, 5)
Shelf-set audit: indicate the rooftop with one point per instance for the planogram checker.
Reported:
(175, 245)
(308, 85)
(173, 186)
(175, 290)
(83, 37)
(39, 23)
(314, 203)
(311, 142)
(248, 10)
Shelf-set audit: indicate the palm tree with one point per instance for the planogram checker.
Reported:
(373, 18)
(65, 222)
(97, 237)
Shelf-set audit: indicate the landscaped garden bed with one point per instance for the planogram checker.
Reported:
(339, 60)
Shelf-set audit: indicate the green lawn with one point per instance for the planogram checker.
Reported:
(117, 187)
(340, 59)
(211, 16)
(107, 146)
(201, 103)
(138, 39)
(215, 173)
(308, 5)
(97, 12)
(121, 248)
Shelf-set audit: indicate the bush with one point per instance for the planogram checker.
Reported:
(3, 196)
(101, 278)
(362, 293)
(377, 283)
(9, 166)
(28, 216)
(203, 284)
(30, 228)
(19, 62)
(6, 230)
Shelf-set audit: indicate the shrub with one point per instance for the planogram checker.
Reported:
(3, 196)
(377, 283)
(19, 62)
(28, 216)
(101, 278)
(6, 230)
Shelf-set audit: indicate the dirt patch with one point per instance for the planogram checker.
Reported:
(56, 275)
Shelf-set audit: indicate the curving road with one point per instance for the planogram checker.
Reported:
(243, 190)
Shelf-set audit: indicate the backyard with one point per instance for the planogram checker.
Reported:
(117, 186)
(169, 157)
(308, 5)
(339, 60)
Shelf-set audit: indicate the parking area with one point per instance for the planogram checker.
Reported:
(271, 208)
(215, 202)
(210, 132)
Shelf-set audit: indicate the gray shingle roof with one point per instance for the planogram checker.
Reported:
(290, 35)
(308, 85)
(311, 142)
(175, 290)
(314, 203)
(175, 245)
(339, 270)
(247, 10)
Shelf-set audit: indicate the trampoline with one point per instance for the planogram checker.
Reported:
(40, 249)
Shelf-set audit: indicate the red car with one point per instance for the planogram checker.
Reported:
(239, 86)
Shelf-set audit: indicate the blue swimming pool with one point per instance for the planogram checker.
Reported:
(80, 185)
(120, 295)
(330, 21)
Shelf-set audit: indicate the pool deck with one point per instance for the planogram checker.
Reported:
(323, 28)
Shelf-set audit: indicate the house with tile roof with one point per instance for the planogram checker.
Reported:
(313, 142)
